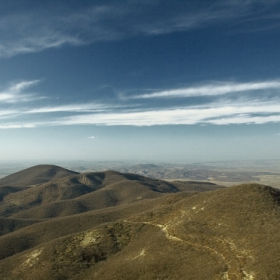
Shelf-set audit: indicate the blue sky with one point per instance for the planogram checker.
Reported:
(140, 80)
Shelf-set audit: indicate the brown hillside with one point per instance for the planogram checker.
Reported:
(6, 190)
(87, 191)
(9, 225)
(231, 233)
(47, 230)
(35, 175)
(123, 192)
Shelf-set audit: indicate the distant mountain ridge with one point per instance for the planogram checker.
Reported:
(75, 193)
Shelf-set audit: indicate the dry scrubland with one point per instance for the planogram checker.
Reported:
(59, 224)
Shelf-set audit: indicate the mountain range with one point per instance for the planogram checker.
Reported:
(60, 224)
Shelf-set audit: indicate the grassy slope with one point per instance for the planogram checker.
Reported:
(231, 233)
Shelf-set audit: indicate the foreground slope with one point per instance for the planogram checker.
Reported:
(230, 233)
(36, 232)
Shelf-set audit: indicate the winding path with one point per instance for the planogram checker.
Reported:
(227, 251)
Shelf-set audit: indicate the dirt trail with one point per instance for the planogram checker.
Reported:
(224, 249)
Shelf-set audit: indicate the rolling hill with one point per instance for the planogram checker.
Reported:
(74, 194)
(111, 225)
(35, 175)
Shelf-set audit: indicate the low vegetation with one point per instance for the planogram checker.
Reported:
(110, 225)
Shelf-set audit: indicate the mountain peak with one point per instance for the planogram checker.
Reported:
(35, 175)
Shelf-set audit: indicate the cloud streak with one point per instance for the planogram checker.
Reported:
(77, 108)
(253, 108)
(179, 116)
(212, 90)
(40, 28)
(222, 115)
(15, 93)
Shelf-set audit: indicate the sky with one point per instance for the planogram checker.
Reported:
(147, 80)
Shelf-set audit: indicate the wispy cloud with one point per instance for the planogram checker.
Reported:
(76, 108)
(39, 28)
(253, 107)
(214, 115)
(52, 112)
(17, 126)
(16, 92)
(218, 115)
(211, 90)
(36, 30)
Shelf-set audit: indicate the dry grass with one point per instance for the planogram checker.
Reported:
(132, 227)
